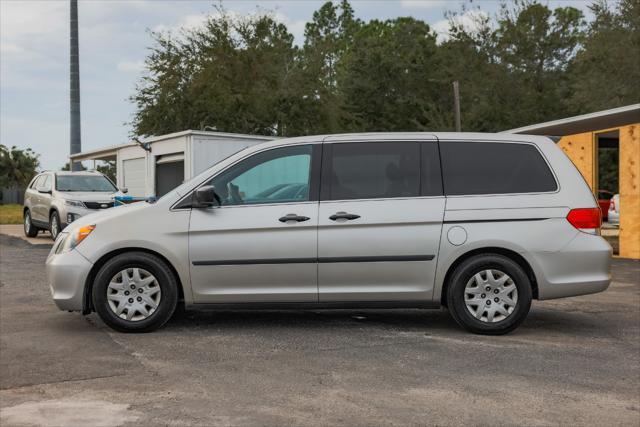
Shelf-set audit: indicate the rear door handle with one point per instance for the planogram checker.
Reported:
(343, 215)
(293, 217)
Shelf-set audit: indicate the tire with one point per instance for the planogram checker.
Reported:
(106, 288)
(473, 294)
(54, 225)
(30, 230)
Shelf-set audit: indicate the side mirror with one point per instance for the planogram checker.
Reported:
(124, 190)
(205, 197)
(43, 190)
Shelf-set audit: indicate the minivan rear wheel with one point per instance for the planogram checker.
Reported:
(489, 294)
(135, 292)
(30, 230)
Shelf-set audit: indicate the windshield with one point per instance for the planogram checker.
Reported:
(84, 183)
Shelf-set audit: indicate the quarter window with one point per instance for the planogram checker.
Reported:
(494, 168)
(369, 170)
(275, 176)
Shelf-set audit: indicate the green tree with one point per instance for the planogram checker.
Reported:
(528, 63)
(232, 74)
(17, 166)
(606, 71)
(328, 37)
(108, 168)
(385, 77)
(513, 71)
(536, 45)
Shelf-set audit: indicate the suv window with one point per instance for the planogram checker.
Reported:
(36, 182)
(370, 170)
(97, 183)
(45, 183)
(276, 176)
(494, 168)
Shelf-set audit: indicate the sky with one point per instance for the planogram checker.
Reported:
(114, 40)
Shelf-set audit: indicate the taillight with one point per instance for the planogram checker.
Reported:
(612, 206)
(587, 220)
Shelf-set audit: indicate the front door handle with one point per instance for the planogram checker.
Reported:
(293, 217)
(343, 215)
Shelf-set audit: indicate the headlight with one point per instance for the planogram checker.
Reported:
(74, 238)
(76, 203)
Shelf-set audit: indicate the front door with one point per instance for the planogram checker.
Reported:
(261, 244)
(380, 221)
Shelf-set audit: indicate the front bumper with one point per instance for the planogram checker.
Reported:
(67, 274)
(68, 214)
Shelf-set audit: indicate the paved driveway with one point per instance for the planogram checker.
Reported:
(573, 362)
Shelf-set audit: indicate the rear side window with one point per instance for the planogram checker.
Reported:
(371, 170)
(494, 168)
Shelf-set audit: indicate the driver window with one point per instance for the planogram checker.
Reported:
(276, 176)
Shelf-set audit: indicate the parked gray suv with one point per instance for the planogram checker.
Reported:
(55, 199)
(480, 223)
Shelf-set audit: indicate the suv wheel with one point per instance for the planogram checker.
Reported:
(135, 292)
(54, 225)
(489, 294)
(30, 230)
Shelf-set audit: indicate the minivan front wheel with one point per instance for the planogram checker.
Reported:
(489, 294)
(135, 292)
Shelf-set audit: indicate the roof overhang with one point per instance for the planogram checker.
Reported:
(599, 120)
(106, 153)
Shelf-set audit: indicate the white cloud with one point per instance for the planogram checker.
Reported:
(469, 20)
(187, 22)
(423, 4)
(130, 66)
(295, 27)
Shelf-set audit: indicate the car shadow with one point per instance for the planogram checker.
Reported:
(540, 320)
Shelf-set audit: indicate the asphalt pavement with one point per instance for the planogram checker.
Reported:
(573, 362)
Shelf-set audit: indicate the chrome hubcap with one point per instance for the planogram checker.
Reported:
(133, 294)
(491, 296)
(27, 222)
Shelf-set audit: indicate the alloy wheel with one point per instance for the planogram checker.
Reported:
(27, 222)
(55, 226)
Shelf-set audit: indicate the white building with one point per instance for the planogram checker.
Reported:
(169, 159)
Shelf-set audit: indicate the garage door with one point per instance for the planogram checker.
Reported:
(168, 176)
(134, 176)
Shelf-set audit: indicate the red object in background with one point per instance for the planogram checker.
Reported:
(604, 199)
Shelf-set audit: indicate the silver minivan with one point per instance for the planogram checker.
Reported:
(478, 223)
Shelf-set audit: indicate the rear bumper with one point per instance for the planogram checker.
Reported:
(581, 267)
(67, 274)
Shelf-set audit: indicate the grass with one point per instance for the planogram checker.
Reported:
(10, 214)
